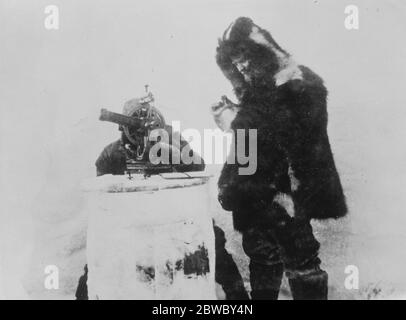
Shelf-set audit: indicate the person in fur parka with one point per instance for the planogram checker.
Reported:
(287, 104)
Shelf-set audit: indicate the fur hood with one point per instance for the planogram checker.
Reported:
(272, 64)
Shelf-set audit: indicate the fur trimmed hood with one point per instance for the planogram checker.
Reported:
(266, 60)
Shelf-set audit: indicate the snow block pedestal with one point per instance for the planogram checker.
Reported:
(149, 238)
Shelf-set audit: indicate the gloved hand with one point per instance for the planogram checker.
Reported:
(224, 113)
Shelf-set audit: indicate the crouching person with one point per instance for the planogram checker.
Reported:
(112, 160)
(296, 178)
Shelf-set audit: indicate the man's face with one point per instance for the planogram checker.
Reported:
(243, 66)
(248, 68)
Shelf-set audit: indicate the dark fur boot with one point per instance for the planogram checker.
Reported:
(265, 294)
(309, 286)
(265, 281)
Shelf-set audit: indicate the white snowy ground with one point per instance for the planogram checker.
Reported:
(55, 82)
(377, 252)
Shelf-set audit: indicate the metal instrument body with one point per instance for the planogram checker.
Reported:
(136, 127)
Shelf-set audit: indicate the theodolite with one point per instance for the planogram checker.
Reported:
(136, 128)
